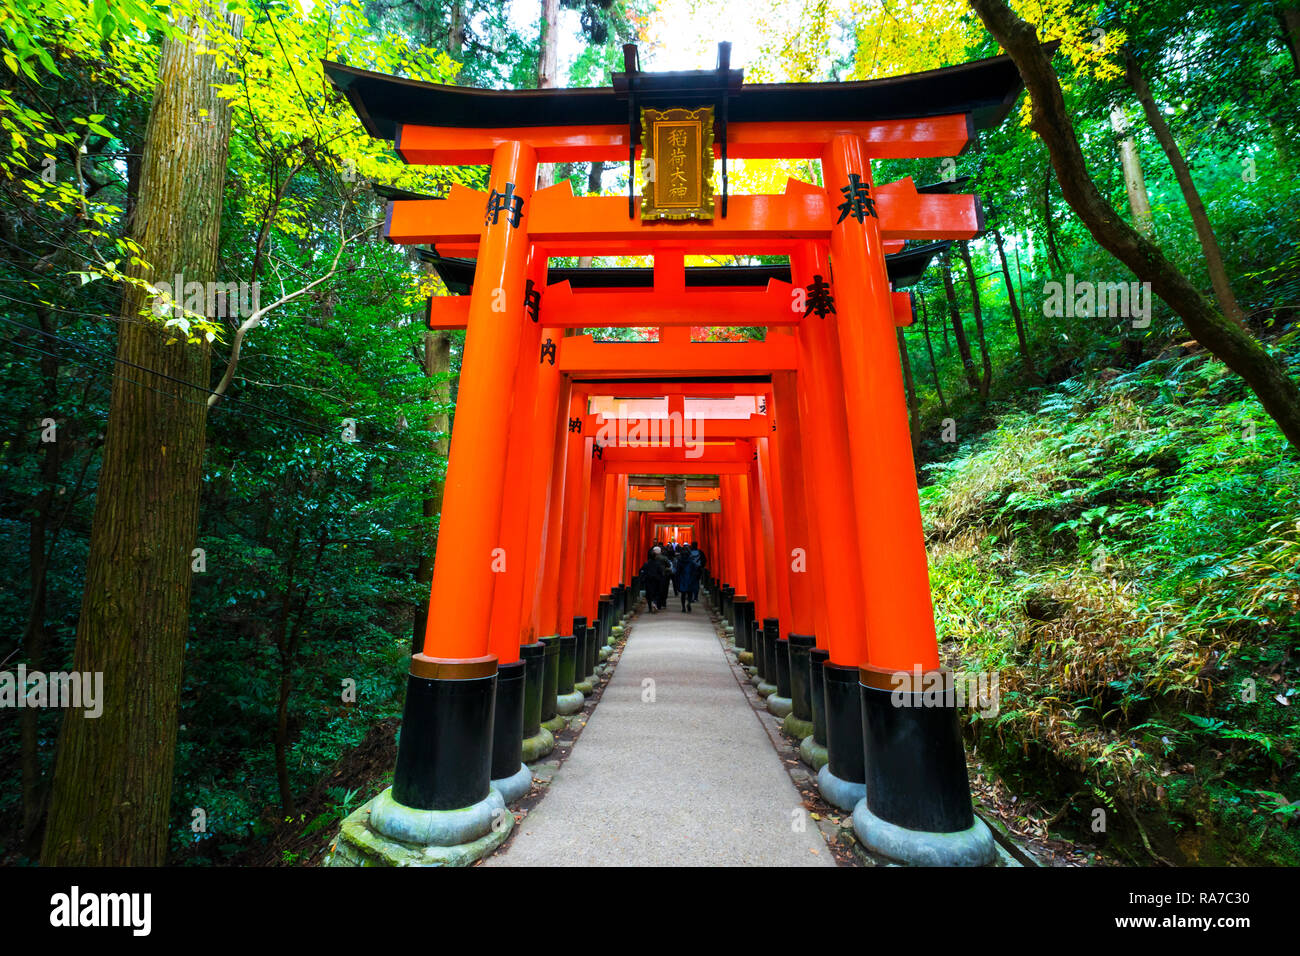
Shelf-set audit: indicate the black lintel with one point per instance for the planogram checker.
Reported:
(984, 89)
(904, 268)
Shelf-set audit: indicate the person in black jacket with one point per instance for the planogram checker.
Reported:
(688, 576)
(653, 581)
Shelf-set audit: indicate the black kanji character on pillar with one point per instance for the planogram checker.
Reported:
(506, 202)
(598, 450)
(548, 351)
(857, 200)
(532, 300)
(575, 424)
(820, 299)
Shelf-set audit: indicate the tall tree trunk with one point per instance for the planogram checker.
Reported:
(1200, 218)
(1289, 19)
(929, 348)
(437, 366)
(1227, 340)
(547, 66)
(1021, 337)
(38, 550)
(286, 655)
(977, 310)
(958, 330)
(1050, 232)
(456, 31)
(112, 784)
(1135, 184)
(909, 389)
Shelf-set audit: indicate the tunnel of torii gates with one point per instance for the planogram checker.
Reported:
(800, 481)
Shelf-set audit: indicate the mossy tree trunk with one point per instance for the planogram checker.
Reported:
(1191, 195)
(929, 348)
(958, 330)
(1022, 337)
(112, 785)
(985, 380)
(437, 366)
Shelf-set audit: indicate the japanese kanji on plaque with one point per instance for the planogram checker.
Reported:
(677, 163)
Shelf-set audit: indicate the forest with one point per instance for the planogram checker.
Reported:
(1101, 390)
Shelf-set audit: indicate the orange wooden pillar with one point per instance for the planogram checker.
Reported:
(827, 477)
(831, 505)
(511, 607)
(513, 562)
(758, 538)
(896, 581)
(589, 591)
(796, 559)
(573, 557)
(577, 478)
(538, 647)
(550, 402)
(916, 779)
(776, 644)
(595, 529)
(444, 759)
(571, 401)
(735, 516)
(794, 507)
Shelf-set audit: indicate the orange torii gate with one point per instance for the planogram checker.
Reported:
(534, 528)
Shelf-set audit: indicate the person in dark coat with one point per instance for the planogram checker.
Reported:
(666, 566)
(701, 562)
(653, 581)
(688, 577)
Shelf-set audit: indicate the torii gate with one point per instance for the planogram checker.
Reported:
(829, 360)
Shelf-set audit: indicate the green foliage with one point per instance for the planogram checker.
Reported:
(1124, 556)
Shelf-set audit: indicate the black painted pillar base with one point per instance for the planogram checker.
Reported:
(917, 768)
(579, 655)
(742, 614)
(508, 722)
(778, 656)
(567, 672)
(593, 655)
(534, 660)
(800, 673)
(917, 806)
(604, 607)
(758, 644)
(817, 658)
(550, 675)
(568, 699)
(842, 781)
(444, 750)
(812, 749)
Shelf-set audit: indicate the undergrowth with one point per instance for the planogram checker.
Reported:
(1125, 559)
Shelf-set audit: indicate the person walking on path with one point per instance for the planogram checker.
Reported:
(688, 577)
(666, 569)
(652, 579)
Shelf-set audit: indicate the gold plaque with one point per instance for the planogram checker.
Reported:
(677, 163)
